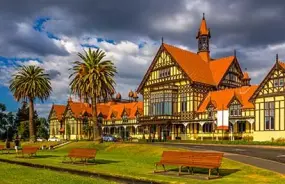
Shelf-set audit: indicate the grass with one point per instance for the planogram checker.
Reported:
(11, 173)
(236, 142)
(38, 144)
(137, 161)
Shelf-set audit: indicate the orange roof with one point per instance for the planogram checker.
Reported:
(218, 67)
(281, 64)
(59, 110)
(203, 27)
(107, 109)
(245, 75)
(130, 108)
(222, 98)
(203, 30)
(194, 66)
(199, 70)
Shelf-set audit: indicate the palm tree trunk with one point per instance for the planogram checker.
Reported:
(96, 132)
(31, 121)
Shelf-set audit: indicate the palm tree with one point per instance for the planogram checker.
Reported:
(30, 83)
(93, 79)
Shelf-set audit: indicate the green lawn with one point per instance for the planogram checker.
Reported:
(137, 161)
(11, 173)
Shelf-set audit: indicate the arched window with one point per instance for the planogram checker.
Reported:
(207, 127)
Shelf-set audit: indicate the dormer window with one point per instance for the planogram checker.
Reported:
(211, 112)
(125, 118)
(113, 119)
(235, 110)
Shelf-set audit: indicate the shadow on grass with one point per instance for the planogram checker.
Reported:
(223, 172)
(36, 156)
(90, 162)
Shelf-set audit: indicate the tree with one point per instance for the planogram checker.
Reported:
(8, 127)
(93, 78)
(42, 128)
(30, 83)
(22, 120)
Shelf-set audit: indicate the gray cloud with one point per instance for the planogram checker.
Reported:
(251, 27)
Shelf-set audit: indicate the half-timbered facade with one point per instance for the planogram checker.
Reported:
(117, 117)
(269, 100)
(178, 81)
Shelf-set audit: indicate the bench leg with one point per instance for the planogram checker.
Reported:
(209, 174)
(218, 172)
(179, 172)
(164, 168)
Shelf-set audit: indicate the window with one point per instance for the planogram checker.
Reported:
(161, 103)
(232, 77)
(207, 127)
(183, 99)
(210, 112)
(164, 73)
(276, 83)
(269, 115)
(241, 126)
(281, 82)
(125, 117)
(235, 110)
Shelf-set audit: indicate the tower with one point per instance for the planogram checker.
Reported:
(203, 37)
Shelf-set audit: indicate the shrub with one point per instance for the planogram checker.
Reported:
(280, 140)
(247, 138)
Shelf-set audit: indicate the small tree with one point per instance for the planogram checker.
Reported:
(68, 131)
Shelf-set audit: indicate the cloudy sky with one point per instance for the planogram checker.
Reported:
(49, 33)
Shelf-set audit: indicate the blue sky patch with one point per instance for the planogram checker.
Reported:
(89, 46)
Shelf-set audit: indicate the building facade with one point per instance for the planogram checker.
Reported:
(188, 96)
(73, 121)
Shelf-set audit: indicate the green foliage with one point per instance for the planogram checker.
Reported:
(68, 131)
(23, 130)
(247, 138)
(42, 128)
(8, 126)
(30, 83)
(93, 78)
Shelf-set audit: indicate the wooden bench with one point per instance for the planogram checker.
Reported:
(2, 148)
(30, 151)
(81, 153)
(189, 159)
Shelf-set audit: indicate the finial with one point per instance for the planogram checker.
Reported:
(203, 16)
(245, 69)
(161, 39)
(235, 53)
(276, 58)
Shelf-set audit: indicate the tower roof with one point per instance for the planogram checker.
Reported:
(203, 30)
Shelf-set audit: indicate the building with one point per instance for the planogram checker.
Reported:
(74, 120)
(189, 96)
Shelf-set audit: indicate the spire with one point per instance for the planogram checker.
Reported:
(161, 40)
(235, 53)
(203, 30)
(276, 65)
(203, 37)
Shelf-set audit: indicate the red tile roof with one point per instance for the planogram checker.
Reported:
(219, 66)
(194, 66)
(107, 109)
(222, 98)
(197, 69)
(245, 75)
(59, 110)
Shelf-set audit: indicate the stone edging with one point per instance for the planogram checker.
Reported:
(127, 180)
